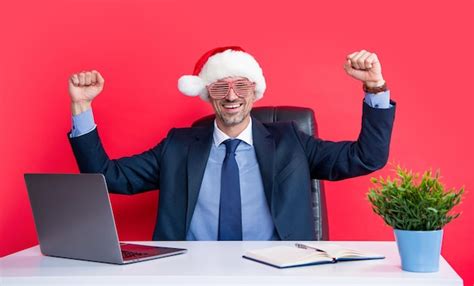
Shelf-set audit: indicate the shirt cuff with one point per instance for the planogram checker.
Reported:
(82, 123)
(378, 100)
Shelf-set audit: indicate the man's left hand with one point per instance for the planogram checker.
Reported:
(365, 66)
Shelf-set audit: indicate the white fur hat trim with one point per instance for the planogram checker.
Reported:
(229, 63)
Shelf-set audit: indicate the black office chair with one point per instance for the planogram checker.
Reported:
(306, 122)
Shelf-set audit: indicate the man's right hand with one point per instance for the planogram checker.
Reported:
(83, 88)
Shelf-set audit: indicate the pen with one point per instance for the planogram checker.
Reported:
(303, 246)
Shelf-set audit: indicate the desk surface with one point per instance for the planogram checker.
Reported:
(220, 263)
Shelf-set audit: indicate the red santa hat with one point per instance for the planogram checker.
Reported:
(220, 63)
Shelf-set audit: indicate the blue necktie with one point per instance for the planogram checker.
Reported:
(230, 211)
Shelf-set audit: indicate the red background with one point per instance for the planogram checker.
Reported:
(142, 47)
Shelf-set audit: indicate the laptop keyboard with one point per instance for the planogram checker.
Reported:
(131, 254)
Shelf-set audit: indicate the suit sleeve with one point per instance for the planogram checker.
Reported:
(127, 175)
(345, 159)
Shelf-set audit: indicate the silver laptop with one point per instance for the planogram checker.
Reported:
(74, 219)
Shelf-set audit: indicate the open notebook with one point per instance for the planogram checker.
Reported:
(307, 254)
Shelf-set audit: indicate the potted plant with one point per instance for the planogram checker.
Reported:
(417, 209)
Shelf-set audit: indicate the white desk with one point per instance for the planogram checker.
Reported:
(217, 263)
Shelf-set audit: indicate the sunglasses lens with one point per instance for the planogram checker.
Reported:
(219, 89)
(243, 88)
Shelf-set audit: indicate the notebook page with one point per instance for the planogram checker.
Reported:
(283, 256)
(336, 251)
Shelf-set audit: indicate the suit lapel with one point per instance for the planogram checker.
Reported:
(265, 151)
(196, 165)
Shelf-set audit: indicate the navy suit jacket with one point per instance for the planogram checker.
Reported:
(287, 158)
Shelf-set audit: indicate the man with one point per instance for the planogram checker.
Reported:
(237, 178)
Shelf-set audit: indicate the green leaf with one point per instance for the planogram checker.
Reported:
(414, 202)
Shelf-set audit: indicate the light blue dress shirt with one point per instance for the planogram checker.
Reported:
(257, 223)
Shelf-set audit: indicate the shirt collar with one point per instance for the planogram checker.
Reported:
(246, 135)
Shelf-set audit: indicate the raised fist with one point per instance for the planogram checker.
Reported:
(365, 66)
(85, 86)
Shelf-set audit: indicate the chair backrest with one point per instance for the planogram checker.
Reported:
(306, 122)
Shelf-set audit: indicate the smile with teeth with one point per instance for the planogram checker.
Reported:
(232, 105)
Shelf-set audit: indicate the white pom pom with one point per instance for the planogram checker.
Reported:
(191, 85)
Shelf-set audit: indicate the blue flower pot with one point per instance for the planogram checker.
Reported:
(419, 250)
